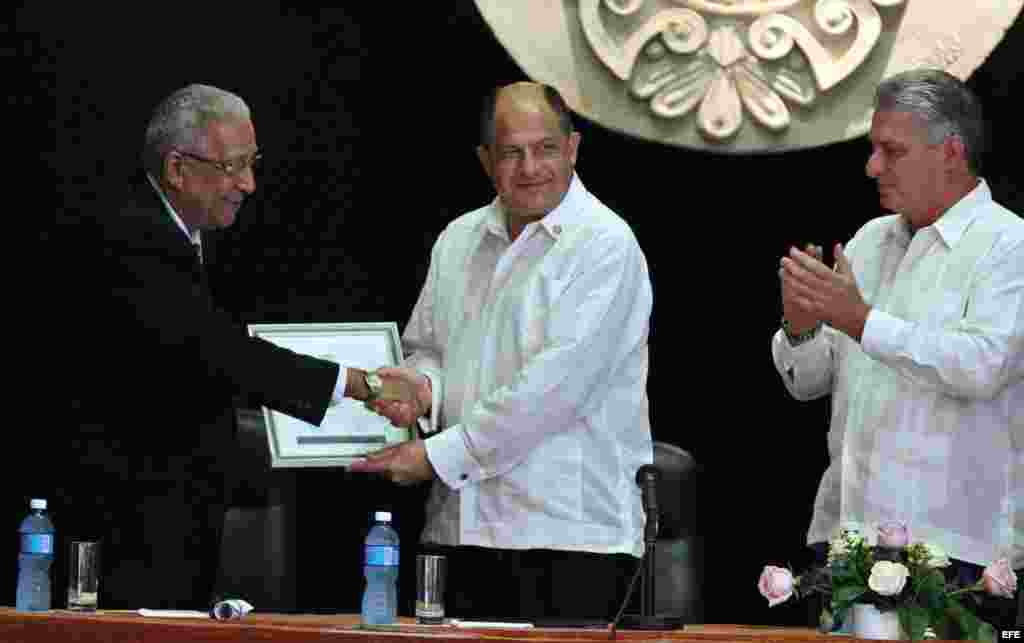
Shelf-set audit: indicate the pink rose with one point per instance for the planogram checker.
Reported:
(999, 580)
(776, 584)
(893, 534)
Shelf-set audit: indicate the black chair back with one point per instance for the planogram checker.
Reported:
(679, 554)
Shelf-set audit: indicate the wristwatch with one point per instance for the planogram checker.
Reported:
(374, 384)
(795, 339)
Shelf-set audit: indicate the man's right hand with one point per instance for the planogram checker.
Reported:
(407, 395)
(800, 319)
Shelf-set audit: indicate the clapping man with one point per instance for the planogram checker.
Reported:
(918, 334)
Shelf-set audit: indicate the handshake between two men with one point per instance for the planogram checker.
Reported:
(403, 395)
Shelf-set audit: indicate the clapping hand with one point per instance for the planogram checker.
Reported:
(812, 291)
(800, 317)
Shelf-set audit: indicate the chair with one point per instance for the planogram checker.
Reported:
(679, 553)
(257, 560)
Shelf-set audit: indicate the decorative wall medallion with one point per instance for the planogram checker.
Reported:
(739, 75)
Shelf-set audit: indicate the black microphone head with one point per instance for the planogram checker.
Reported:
(647, 473)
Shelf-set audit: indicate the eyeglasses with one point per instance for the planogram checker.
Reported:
(231, 167)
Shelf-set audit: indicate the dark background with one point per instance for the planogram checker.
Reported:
(367, 119)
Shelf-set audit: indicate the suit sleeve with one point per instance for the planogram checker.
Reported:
(158, 292)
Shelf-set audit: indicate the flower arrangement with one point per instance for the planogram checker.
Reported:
(895, 574)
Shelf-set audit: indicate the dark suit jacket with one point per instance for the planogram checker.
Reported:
(168, 354)
(154, 369)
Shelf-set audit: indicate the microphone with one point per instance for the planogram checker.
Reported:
(647, 477)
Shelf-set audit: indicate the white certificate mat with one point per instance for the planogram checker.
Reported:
(349, 429)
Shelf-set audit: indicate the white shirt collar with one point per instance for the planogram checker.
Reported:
(553, 222)
(952, 225)
(193, 237)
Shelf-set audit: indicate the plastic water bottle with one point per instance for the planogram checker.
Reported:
(37, 539)
(380, 599)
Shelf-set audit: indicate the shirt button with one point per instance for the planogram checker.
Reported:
(464, 477)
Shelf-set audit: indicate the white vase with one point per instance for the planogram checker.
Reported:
(869, 623)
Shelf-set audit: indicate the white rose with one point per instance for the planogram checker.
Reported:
(888, 578)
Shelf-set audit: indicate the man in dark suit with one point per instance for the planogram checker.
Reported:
(143, 470)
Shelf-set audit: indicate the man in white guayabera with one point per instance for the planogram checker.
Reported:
(529, 351)
(918, 335)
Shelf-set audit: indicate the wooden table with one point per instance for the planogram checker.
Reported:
(128, 627)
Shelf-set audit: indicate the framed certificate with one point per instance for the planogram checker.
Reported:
(349, 429)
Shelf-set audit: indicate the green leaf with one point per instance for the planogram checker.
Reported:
(930, 590)
(971, 626)
(826, 623)
(840, 614)
(843, 574)
(848, 594)
(986, 632)
(914, 620)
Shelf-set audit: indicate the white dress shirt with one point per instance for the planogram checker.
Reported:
(537, 354)
(928, 410)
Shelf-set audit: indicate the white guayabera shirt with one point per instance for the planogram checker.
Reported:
(537, 354)
(928, 410)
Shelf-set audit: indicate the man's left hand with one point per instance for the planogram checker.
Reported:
(403, 464)
(832, 295)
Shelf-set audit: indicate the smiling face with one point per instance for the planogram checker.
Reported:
(531, 159)
(911, 172)
(204, 196)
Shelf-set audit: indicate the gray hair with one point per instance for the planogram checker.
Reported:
(181, 119)
(944, 103)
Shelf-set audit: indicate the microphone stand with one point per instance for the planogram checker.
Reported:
(647, 478)
(650, 544)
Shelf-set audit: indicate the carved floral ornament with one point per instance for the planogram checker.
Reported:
(732, 59)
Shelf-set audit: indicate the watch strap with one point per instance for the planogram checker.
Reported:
(795, 339)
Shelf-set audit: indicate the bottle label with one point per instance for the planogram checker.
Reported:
(382, 555)
(37, 543)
